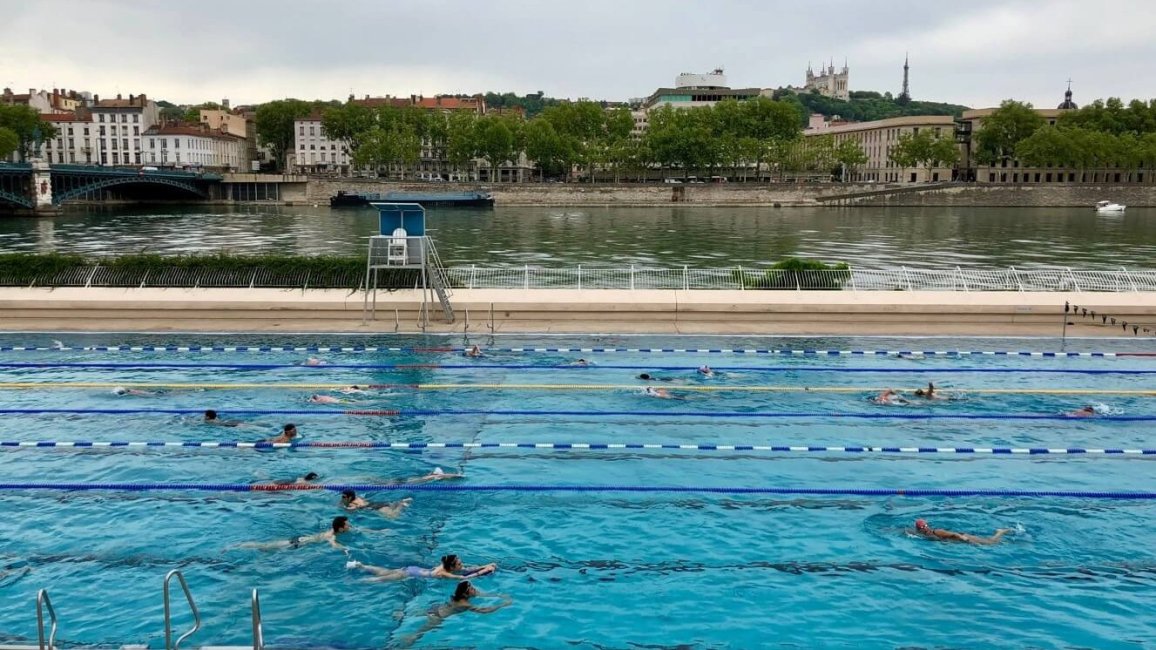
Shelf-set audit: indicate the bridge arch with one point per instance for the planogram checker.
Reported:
(63, 195)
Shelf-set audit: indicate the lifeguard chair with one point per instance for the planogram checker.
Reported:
(403, 244)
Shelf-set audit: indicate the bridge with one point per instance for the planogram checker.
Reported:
(40, 187)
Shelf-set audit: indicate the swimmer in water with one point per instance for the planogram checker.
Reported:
(461, 601)
(305, 479)
(288, 433)
(211, 417)
(317, 398)
(451, 568)
(660, 393)
(1085, 412)
(313, 361)
(889, 398)
(340, 525)
(943, 535)
(582, 363)
(350, 501)
(436, 475)
(646, 376)
(121, 391)
(929, 392)
(473, 351)
(705, 371)
(354, 390)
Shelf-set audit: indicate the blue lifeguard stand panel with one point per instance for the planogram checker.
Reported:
(391, 216)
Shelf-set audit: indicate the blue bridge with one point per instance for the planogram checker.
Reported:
(22, 186)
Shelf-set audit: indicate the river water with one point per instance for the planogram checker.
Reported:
(699, 237)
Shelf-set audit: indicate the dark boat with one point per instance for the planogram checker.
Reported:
(425, 199)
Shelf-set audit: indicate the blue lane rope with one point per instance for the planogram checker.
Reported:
(591, 350)
(862, 492)
(483, 366)
(593, 446)
(516, 412)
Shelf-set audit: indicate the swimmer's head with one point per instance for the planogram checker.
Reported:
(451, 562)
(311, 476)
(347, 496)
(921, 526)
(289, 430)
(920, 392)
(341, 524)
(463, 591)
(645, 376)
(120, 390)
(355, 387)
(210, 415)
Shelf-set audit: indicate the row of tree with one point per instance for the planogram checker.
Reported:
(739, 136)
(21, 130)
(1103, 134)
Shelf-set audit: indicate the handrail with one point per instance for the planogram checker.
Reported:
(258, 633)
(42, 601)
(169, 645)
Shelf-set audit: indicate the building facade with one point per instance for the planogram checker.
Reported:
(313, 151)
(119, 124)
(878, 137)
(76, 141)
(829, 82)
(193, 146)
(693, 90)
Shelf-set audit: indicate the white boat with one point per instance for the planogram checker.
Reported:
(1106, 207)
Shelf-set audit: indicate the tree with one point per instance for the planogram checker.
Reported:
(274, 125)
(461, 139)
(350, 124)
(850, 155)
(28, 126)
(544, 146)
(1001, 131)
(923, 148)
(772, 124)
(193, 113)
(495, 142)
(9, 142)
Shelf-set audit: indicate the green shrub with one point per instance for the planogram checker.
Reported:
(795, 273)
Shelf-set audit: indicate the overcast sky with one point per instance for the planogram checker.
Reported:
(975, 53)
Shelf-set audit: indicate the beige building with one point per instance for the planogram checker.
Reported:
(225, 121)
(184, 146)
(876, 139)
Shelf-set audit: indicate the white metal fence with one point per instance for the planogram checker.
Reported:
(894, 279)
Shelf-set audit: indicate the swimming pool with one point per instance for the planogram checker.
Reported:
(596, 569)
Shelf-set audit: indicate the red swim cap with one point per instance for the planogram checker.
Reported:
(920, 524)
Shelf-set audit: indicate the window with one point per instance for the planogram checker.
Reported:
(124, 144)
(123, 117)
(301, 130)
(112, 129)
(135, 118)
(86, 130)
(302, 146)
(176, 143)
(101, 116)
(70, 130)
(116, 159)
(164, 143)
(152, 143)
(114, 143)
(312, 131)
(71, 144)
(136, 130)
(137, 156)
(103, 157)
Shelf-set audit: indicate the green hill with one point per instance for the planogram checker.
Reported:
(865, 105)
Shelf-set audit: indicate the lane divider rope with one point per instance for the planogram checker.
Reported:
(863, 492)
(590, 350)
(556, 413)
(13, 385)
(428, 366)
(592, 446)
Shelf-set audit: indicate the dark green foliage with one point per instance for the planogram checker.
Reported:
(865, 106)
(794, 273)
(533, 104)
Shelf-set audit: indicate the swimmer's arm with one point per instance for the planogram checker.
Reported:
(506, 602)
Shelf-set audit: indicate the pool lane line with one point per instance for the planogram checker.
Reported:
(568, 350)
(483, 366)
(891, 415)
(581, 446)
(23, 385)
(646, 489)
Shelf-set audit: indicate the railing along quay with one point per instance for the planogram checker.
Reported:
(1043, 279)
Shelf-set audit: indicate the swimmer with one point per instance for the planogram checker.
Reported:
(646, 376)
(211, 417)
(451, 568)
(705, 371)
(436, 475)
(1085, 412)
(354, 390)
(459, 602)
(339, 525)
(473, 351)
(940, 534)
(121, 391)
(326, 399)
(889, 398)
(660, 393)
(305, 479)
(288, 433)
(313, 361)
(350, 501)
(929, 392)
(582, 363)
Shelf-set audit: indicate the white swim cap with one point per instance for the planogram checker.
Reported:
(119, 390)
(438, 471)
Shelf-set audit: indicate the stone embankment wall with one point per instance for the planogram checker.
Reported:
(319, 190)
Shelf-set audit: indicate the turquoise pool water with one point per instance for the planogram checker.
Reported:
(588, 570)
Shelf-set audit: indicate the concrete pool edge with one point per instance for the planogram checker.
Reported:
(850, 313)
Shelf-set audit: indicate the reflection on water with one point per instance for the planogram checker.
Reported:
(662, 236)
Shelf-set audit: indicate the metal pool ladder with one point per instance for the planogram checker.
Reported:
(169, 645)
(44, 602)
(258, 633)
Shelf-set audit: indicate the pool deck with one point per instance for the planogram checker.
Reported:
(900, 313)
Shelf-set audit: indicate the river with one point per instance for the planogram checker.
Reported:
(700, 237)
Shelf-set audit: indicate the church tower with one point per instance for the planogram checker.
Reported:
(1068, 104)
(905, 95)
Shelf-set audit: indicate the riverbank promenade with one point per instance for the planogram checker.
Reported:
(484, 311)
